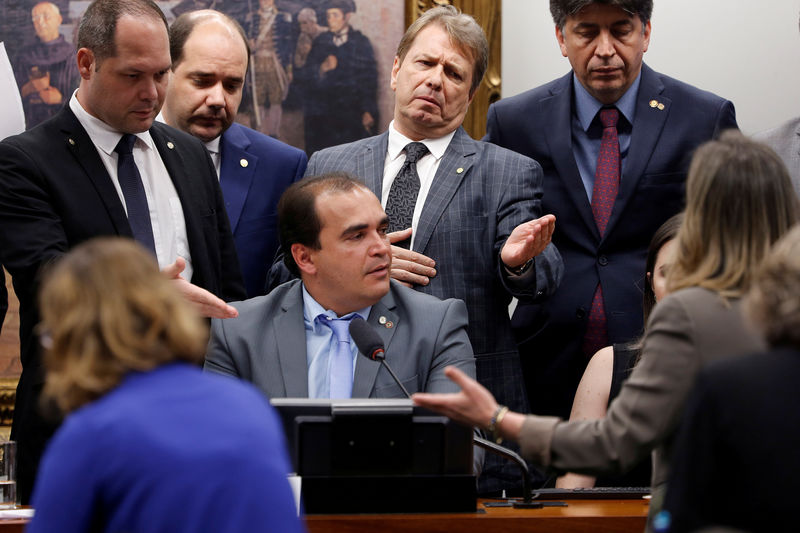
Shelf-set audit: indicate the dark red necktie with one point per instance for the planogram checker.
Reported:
(604, 193)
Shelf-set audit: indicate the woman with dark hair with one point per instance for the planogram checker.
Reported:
(740, 200)
(611, 366)
(151, 443)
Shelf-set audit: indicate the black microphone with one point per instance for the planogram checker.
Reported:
(370, 344)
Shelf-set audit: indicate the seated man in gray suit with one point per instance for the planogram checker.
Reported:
(334, 237)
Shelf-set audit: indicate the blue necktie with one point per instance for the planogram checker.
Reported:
(341, 359)
(130, 181)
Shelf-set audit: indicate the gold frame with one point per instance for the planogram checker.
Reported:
(488, 13)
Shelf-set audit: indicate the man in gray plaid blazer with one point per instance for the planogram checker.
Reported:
(476, 232)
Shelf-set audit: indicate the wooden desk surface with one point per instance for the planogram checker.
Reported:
(597, 516)
(580, 516)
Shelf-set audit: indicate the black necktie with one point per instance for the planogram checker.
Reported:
(130, 182)
(404, 191)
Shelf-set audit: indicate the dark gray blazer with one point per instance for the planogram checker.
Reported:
(266, 344)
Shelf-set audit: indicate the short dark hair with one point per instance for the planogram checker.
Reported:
(561, 9)
(298, 220)
(464, 32)
(183, 26)
(98, 26)
(346, 6)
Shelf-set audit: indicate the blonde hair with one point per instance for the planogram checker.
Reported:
(739, 201)
(108, 311)
(773, 302)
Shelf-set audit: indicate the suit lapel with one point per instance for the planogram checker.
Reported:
(647, 127)
(289, 331)
(369, 163)
(557, 110)
(366, 369)
(236, 172)
(83, 149)
(455, 166)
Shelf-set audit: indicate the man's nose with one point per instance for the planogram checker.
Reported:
(215, 96)
(605, 45)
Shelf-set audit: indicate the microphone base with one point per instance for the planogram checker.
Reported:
(389, 494)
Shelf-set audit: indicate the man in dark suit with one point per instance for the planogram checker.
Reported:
(473, 227)
(101, 167)
(209, 63)
(660, 121)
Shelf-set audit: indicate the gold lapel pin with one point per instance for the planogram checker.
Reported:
(459, 170)
(71, 142)
(660, 106)
(653, 103)
(170, 145)
(244, 163)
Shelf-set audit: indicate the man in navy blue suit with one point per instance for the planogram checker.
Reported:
(660, 122)
(209, 63)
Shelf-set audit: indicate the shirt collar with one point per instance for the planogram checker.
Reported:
(587, 106)
(102, 135)
(312, 309)
(398, 141)
(213, 145)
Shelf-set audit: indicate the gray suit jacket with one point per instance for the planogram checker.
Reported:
(687, 330)
(266, 345)
(785, 140)
(479, 195)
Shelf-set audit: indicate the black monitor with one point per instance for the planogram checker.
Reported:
(377, 455)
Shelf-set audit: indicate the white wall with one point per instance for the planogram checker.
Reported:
(747, 51)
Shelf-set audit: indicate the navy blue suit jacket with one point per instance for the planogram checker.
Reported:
(537, 123)
(254, 172)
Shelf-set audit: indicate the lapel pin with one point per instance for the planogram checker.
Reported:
(71, 142)
(244, 163)
(653, 103)
(389, 324)
(660, 106)
(170, 145)
(459, 170)
(382, 320)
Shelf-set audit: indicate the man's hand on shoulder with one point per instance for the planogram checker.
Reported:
(408, 267)
(528, 240)
(203, 301)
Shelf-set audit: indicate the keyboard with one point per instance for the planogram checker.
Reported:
(594, 493)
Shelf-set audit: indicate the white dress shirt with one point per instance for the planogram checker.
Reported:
(426, 168)
(166, 211)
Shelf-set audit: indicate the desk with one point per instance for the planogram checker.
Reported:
(580, 516)
(597, 516)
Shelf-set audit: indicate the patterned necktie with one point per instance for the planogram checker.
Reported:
(340, 364)
(604, 194)
(130, 181)
(404, 191)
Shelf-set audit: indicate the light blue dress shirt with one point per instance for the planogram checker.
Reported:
(320, 343)
(588, 132)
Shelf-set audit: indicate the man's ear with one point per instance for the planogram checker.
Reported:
(85, 59)
(304, 258)
(395, 70)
